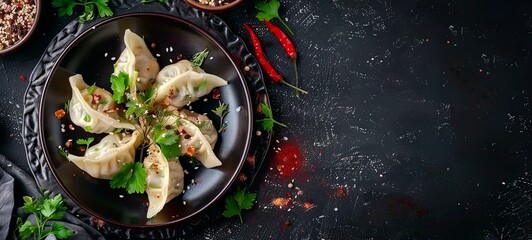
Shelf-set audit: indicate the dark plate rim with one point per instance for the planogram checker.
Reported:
(204, 33)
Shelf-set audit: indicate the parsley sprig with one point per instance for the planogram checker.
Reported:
(234, 204)
(221, 111)
(132, 177)
(268, 122)
(44, 209)
(66, 7)
(269, 10)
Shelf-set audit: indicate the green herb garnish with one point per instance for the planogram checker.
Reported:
(269, 10)
(167, 140)
(198, 58)
(91, 88)
(44, 209)
(67, 106)
(132, 177)
(234, 204)
(119, 85)
(202, 86)
(63, 151)
(86, 142)
(268, 122)
(66, 7)
(221, 111)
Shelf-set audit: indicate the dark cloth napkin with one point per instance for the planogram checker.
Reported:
(14, 184)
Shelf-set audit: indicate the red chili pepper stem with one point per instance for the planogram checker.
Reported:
(294, 61)
(292, 86)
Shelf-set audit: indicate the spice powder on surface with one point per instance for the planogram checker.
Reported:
(16, 19)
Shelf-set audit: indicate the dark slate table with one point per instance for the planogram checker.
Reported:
(418, 124)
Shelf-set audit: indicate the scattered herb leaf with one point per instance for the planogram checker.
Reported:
(234, 204)
(63, 151)
(198, 58)
(86, 142)
(132, 177)
(44, 209)
(221, 111)
(268, 122)
(269, 10)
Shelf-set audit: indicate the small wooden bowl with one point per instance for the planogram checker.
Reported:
(214, 9)
(28, 34)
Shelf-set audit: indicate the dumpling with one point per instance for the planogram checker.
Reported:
(105, 159)
(137, 61)
(186, 87)
(95, 112)
(165, 179)
(173, 70)
(203, 123)
(194, 144)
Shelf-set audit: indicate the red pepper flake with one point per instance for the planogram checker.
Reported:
(22, 77)
(242, 177)
(96, 98)
(287, 159)
(68, 143)
(281, 202)
(308, 205)
(59, 113)
(11, 136)
(340, 192)
(216, 93)
(191, 150)
(251, 160)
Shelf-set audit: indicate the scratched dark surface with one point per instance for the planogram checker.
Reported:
(419, 110)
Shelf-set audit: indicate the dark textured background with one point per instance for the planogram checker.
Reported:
(419, 109)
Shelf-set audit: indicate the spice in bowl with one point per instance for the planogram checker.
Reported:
(16, 21)
(215, 2)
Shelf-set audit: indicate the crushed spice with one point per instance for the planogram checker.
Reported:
(16, 19)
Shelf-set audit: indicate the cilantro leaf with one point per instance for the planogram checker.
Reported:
(87, 141)
(60, 231)
(198, 58)
(44, 209)
(234, 204)
(119, 85)
(88, 14)
(132, 177)
(167, 140)
(269, 10)
(268, 122)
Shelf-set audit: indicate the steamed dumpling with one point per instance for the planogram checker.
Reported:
(193, 143)
(165, 179)
(203, 123)
(181, 84)
(95, 112)
(137, 61)
(105, 159)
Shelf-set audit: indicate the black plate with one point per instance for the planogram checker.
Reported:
(90, 54)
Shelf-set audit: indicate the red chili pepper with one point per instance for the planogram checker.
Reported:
(261, 57)
(288, 46)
